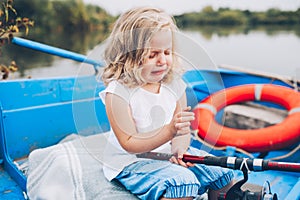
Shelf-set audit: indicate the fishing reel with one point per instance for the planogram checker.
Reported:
(236, 193)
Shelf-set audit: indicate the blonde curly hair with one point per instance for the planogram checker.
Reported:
(127, 48)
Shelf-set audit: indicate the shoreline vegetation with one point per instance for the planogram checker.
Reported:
(74, 15)
(61, 22)
(229, 17)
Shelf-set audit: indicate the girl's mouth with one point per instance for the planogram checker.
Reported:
(158, 72)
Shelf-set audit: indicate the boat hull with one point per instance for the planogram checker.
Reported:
(39, 113)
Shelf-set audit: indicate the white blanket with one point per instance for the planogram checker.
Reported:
(72, 170)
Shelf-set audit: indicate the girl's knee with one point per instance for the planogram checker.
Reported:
(184, 176)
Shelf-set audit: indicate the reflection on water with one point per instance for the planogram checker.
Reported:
(277, 53)
(274, 50)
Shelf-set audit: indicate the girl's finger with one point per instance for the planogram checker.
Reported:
(183, 132)
(190, 164)
(180, 162)
(182, 125)
(185, 118)
(188, 108)
(174, 160)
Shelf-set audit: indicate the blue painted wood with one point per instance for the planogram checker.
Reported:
(45, 125)
(25, 93)
(9, 189)
(39, 113)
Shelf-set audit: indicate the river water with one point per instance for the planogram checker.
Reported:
(279, 53)
(276, 52)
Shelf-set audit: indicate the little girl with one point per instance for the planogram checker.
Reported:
(147, 109)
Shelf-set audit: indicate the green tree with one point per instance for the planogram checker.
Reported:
(71, 15)
(229, 17)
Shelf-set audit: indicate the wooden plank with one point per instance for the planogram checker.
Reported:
(26, 93)
(41, 126)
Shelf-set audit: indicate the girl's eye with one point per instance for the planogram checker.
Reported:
(167, 52)
(152, 55)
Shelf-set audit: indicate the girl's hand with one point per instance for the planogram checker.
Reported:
(180, 142)
(177, 159)
(182, 121)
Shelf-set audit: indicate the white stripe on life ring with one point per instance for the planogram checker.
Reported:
(207, 107)
(257, 91)
(294, 110)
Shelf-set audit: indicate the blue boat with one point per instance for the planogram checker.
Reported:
(40, 113)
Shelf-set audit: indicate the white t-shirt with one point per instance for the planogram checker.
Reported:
(149, 111)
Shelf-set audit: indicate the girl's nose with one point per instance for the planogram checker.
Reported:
(161, 59)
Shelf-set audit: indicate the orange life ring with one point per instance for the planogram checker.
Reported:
(256, 140)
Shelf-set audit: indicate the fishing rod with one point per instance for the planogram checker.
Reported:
(248, 164)
(56, 51)
(244, 164)
(240, 163)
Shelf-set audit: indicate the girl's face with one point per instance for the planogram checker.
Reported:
(159, 60)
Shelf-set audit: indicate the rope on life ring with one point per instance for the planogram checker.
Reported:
(256, 140)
